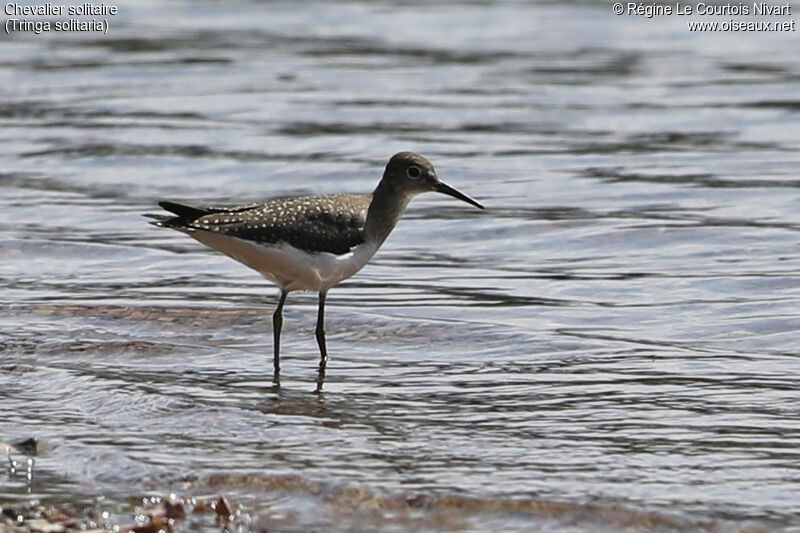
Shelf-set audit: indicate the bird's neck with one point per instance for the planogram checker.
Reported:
(386, 208)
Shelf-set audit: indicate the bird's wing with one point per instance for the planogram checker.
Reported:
(333, 223)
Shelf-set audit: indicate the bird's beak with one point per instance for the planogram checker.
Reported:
(448, 190)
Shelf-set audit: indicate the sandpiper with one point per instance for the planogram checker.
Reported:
(310, 243)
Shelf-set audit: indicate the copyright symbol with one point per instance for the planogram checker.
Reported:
(618, 8)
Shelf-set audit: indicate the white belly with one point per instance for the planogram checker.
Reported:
(288, 267)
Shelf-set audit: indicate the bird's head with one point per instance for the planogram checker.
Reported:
(412, 174)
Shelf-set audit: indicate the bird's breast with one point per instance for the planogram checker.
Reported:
(291, 268)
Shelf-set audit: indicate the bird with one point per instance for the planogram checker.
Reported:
(310, 243)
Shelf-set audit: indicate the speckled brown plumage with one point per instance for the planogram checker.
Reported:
(332, 223)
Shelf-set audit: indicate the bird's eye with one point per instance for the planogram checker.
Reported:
(413, 172)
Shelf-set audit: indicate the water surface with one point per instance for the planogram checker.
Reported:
(610, 345)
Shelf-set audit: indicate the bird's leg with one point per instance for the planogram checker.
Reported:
(323, 351)
(277, 323)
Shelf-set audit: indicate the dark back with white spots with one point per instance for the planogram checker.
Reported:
(332, 223)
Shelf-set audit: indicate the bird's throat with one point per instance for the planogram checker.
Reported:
(386, 208)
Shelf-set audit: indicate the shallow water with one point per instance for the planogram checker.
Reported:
(617, 330)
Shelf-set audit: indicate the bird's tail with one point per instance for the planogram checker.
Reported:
(183, 215)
